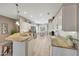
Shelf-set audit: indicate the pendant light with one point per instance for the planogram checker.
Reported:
(17, 21)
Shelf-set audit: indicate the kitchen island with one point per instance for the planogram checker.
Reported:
(20, 43)
(61, 47)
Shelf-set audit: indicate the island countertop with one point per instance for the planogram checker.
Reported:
(20, 37)
(62, 43)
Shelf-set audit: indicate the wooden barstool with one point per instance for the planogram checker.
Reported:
(6, 48)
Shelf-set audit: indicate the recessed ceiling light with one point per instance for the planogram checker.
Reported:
(25, 12)
(31, 16)
(41, 14)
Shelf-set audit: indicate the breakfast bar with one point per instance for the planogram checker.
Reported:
(20, 43)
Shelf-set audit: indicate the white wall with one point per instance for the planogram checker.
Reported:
(11, 26)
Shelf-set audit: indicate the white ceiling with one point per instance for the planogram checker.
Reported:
(39, 12)
(8, 9)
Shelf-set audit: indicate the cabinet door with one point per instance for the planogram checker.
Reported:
(69, 17)
(59, 20)
(56, 51)
(78, 18)
(78, 27)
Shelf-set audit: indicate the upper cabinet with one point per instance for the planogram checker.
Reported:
(78, 18)
(59, 20)
(69, 17)
(56, 23)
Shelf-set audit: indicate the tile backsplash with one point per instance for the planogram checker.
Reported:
(66, 33)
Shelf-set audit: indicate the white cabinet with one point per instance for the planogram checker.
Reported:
(57, 51)
(20, 48)
(0, 50)
(56, 24)
(69, 17)
(59, 21)
(78, 18)
(66, 19)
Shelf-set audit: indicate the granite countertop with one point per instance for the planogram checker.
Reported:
(4, 42)
(62, 43)
(65, 47)
(20, 37)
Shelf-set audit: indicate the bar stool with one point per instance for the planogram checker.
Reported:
(6, 48)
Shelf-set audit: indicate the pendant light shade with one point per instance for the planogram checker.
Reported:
(17, 21)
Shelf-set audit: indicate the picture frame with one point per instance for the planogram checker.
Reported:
(3, 28)
(0, 28)
(43, 29)
(33, 30)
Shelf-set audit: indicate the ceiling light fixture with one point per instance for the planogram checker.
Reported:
(31, 16)
(25, 12)
(17, 21)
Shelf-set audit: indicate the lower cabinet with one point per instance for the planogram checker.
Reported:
(57, 51)
(20, 48)
(0, 50)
